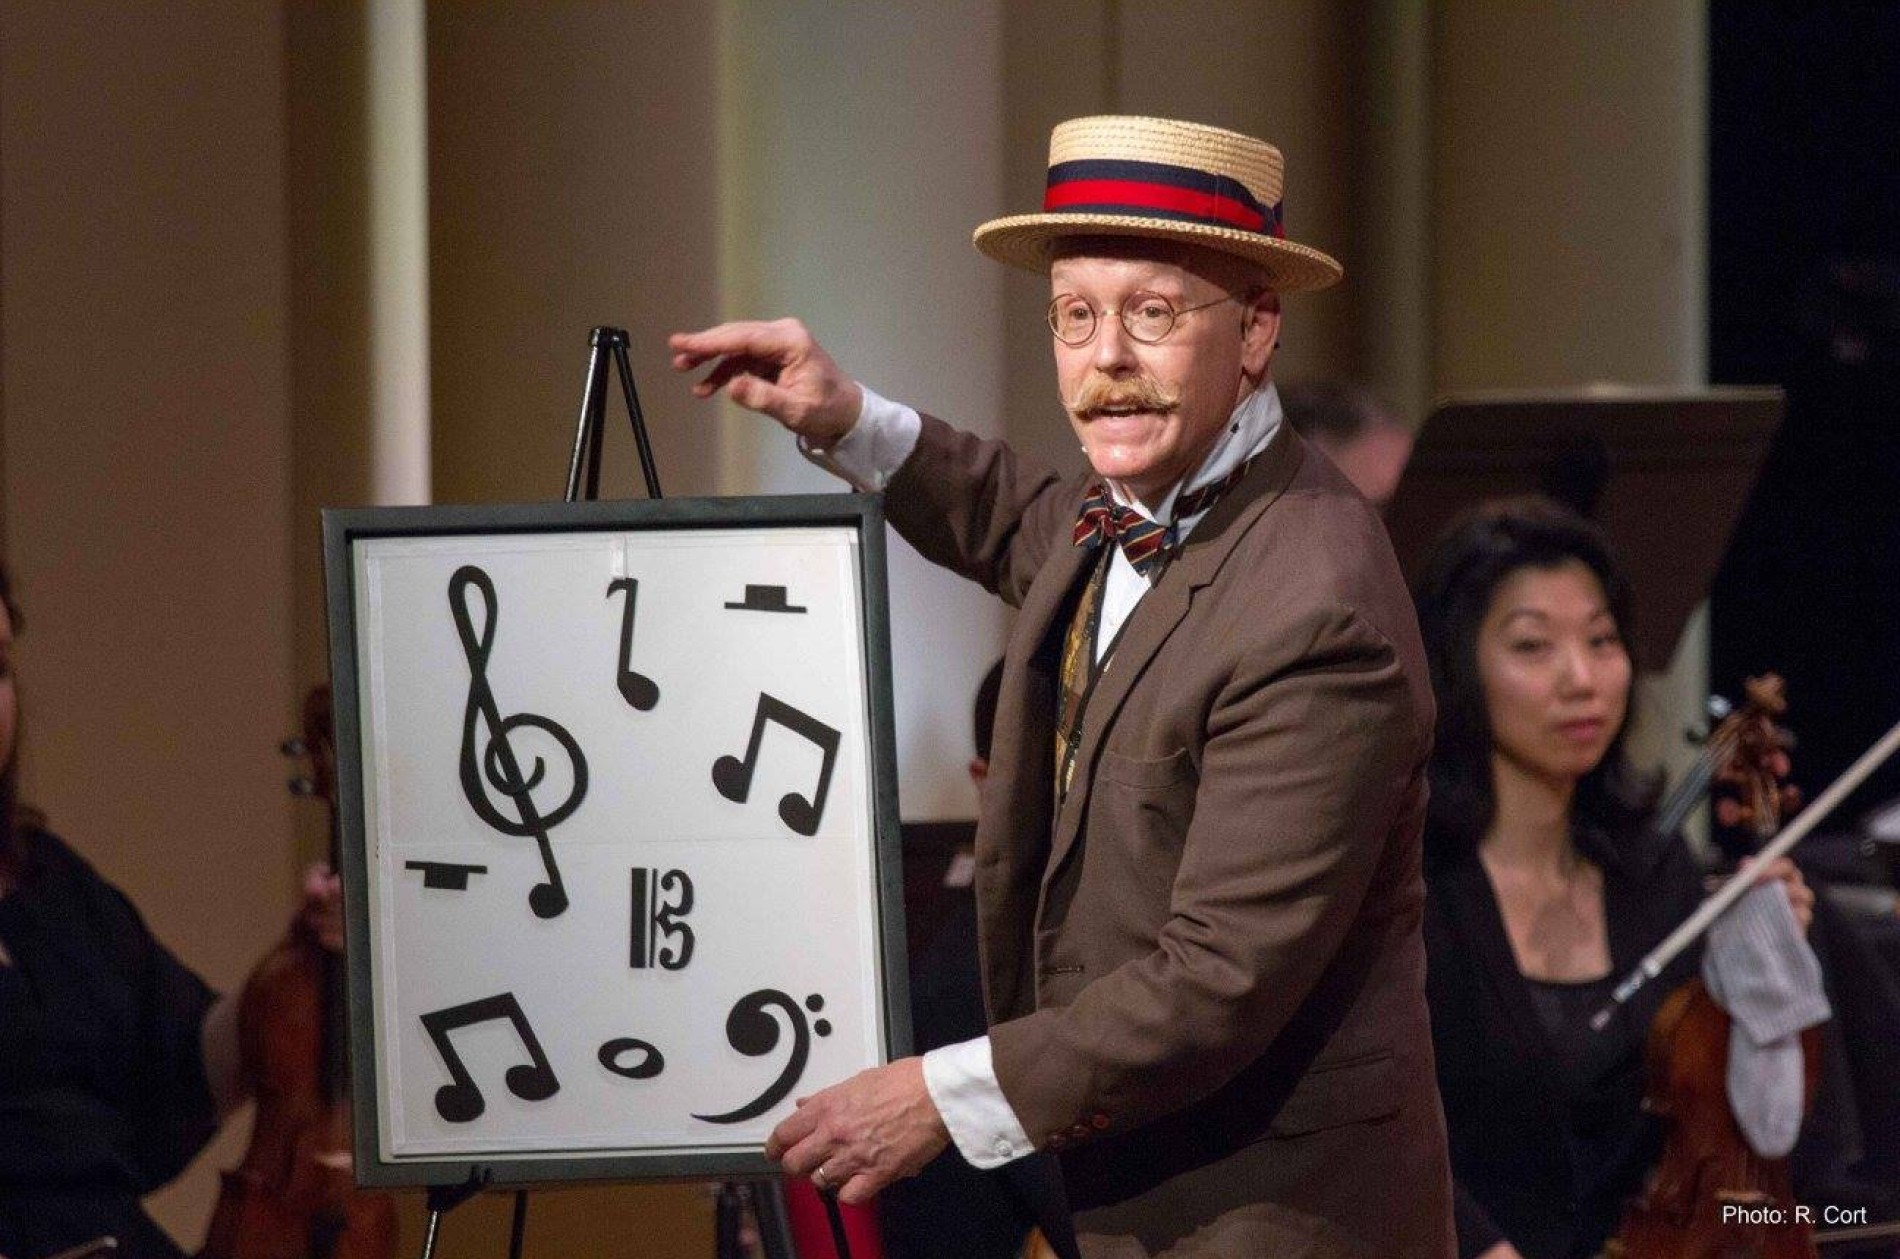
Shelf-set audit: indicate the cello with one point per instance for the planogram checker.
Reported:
(294, 1196)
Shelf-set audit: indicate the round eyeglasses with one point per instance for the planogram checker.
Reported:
(1146, 317)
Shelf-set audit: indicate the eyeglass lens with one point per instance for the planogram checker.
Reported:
(1147, 317)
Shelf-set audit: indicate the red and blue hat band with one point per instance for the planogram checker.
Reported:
(1156, 190)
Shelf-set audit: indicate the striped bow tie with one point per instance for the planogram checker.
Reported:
(1143, 541)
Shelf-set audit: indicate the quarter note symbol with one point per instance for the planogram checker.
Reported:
(733, 775)
(639, 690)
(497, 765)
(531, 1081)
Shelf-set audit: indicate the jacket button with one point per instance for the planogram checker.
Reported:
(1002, 1147)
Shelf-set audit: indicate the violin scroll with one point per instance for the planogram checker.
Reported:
(1753, 764)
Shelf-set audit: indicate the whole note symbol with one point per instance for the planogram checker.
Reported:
(732, 775)
(497, 765)
(639, 690)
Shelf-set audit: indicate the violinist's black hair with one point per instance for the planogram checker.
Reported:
(1471, 559)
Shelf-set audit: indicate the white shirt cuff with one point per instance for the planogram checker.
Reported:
(962, 1083)
(871, 453)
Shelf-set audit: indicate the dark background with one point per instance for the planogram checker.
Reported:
(1804, 292)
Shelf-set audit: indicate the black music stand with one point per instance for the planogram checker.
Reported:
(1664, 473)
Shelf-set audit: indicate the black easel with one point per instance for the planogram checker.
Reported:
(733, 1197)
(593, 421)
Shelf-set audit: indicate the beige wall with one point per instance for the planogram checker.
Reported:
(196, 289)
(1567, 193)
(571, 172)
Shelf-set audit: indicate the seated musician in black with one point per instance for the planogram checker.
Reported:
(1545, 884)
(117, 1063)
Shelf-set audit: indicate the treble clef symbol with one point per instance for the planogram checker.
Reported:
(498, 762)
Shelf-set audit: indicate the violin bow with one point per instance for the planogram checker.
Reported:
(1739, 883)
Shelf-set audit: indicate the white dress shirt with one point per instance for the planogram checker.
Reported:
(962, 1077)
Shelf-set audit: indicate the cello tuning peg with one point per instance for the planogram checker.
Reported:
(293, 747)
(302, 786)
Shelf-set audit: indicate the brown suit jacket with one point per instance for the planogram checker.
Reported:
(1205, 976)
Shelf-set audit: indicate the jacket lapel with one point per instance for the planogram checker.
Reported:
(1161, 610)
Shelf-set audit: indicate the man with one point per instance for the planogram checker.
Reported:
(1198, 850)
(1355, 430)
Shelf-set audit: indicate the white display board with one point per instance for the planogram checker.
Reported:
(620, 851)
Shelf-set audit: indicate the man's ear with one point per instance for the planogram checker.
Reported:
(1261, 334)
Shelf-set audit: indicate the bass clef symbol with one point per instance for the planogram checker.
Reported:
(497, 766)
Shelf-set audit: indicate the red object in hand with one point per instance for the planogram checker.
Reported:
(811, 1231)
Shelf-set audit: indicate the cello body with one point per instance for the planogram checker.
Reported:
(1710, 1195)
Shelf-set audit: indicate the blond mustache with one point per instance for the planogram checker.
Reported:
(1141, 394)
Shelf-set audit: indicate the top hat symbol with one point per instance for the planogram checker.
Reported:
(764, 599)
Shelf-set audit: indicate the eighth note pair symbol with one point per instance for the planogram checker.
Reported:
(733, 775)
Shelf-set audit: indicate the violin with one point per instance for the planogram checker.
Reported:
(294, 1194)
(1710, 1194)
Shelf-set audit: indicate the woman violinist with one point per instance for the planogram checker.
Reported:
(1545, 883)
(117, 1063)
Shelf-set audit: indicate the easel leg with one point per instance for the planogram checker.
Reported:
(519, 1226)
(728, 1221)
(445, 1198)
(775, 1227)
(609, 346)
(587, 430)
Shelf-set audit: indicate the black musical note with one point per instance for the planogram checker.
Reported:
(448, 876)
(753, 1032)
(530, 1081)
(498, 761)
(733, 776)
(651, 1061)
(659, 937)
(639, 690)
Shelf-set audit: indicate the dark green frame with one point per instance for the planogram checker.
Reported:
(342, 528)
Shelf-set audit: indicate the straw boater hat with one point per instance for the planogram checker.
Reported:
(1121, 176)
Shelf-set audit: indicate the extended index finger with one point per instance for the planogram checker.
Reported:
(794, 1128)
(753, 337)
